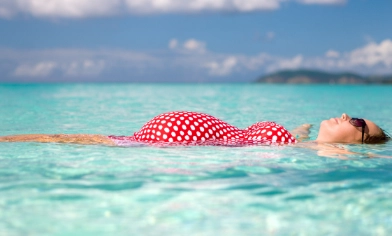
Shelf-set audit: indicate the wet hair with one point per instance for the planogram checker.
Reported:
(381, 137)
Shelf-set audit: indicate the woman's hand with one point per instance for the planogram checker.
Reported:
(302, 132)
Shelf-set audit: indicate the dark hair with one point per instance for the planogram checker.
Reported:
(381, 137)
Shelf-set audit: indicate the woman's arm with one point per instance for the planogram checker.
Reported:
(335, 151)
(59, 138)
(326, 150)
(302, 132)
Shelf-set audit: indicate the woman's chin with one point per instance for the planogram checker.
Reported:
(323, 139)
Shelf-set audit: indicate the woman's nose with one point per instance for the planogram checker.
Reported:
(344, 116)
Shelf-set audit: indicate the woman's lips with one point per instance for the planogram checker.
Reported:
(336, 120)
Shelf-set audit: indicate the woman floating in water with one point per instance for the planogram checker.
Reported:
(192, 128)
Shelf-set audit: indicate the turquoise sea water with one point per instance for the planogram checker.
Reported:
(62, 189)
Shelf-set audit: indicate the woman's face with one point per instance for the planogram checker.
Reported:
(339, 130)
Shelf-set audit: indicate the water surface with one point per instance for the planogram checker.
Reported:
(62, 189)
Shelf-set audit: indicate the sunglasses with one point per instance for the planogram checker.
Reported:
(358, 122)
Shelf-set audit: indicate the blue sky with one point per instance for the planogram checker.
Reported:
(190, 41)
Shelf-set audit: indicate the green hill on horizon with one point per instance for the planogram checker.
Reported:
(303, 76)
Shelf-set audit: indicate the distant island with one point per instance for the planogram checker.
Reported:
(321, 77)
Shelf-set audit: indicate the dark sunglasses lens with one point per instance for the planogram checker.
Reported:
(357, 122)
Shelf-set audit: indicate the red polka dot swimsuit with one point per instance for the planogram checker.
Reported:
(192, 128)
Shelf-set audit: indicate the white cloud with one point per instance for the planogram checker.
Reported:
(67, 68)
(94, 8)
(35, 70)
(331, 2)
(222, 68)
(173, 43)
(7, 9)
(91, 8)
(181, 6)
(285, 63)
(60, 8)
(189, 46)
(269, 36)
(72, 63)
(183, 62)
(85, 67)
(372, 58)
(252, 5)
(194, 45)
(373, 54)
(332, 54)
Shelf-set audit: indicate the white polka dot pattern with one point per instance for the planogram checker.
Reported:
(192, 128)
(270, 132)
